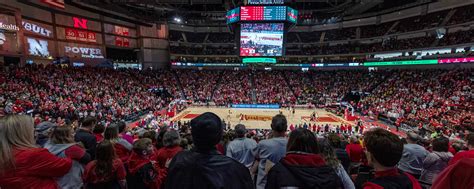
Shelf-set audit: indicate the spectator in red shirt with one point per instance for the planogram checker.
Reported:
(465, 154)
(354, 150)
(384, 151)
(171, 142)
(105, 172)
(99, 132)
(458, 175)
(22, 164)
(144, 171)
(122, 147)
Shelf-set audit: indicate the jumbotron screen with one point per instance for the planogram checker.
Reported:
(261, 39)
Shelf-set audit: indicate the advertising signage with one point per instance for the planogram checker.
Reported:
(401, 63)
(84, 52)
(34, 28)
(456, 60)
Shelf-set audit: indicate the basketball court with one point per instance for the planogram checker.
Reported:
(261, 118)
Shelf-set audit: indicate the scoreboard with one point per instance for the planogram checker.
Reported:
(263, 13)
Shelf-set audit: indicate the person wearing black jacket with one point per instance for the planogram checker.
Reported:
(302, 167)
(84, 135)
(203, 166)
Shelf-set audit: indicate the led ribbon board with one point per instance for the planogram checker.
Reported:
(401, 63)
(259, 60)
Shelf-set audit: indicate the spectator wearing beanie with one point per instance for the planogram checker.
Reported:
(62, 145)
(383, 151)
(171, 142)
(144, 171)
(241, 148)
(270, 151)
(84, 135)
(436, 161)
(203, 166)
(413, 156)
(22, 163)
(465, 154)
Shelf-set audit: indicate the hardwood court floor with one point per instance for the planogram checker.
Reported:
(261, 118)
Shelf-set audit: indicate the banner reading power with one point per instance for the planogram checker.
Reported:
(81, 51)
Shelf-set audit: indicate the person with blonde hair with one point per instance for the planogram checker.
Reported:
(22, 163)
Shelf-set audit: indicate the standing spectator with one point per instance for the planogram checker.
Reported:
(303, 166)
(204, 167)
(171, 142)
(413, 156)
(122, 147)
(465, 154)
(354, 150)
(123, 132)
(22, 164)
(327, 152)
(107, 171)
(42, 132)
(99, 132)
(85, 136)
(384, 151)
(144, 171)
(241, 148)
(62, 145)
(270, 151)
(341, 154)
(436, 161)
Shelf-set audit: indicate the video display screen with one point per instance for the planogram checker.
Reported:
(292, 15)
(233, 15)
(261, 39)
(259, 13)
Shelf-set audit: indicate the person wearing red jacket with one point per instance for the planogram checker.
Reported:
(107, 171)
(145, 173)
(354, 150)
(465, 154)
(122, 147)
(171, 142)
(383, 151)
(458, 175)
(22, 164)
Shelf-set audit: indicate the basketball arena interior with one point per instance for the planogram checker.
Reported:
(237, 94)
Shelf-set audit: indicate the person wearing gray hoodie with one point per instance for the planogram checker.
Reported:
(436, 161)
(61, 144)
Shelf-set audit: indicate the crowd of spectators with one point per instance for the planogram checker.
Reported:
(438, 98)
(269, 93)
(205, 153)
(62, 94)
(234, 87)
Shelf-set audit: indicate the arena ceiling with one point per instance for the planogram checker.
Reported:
(163, 10)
